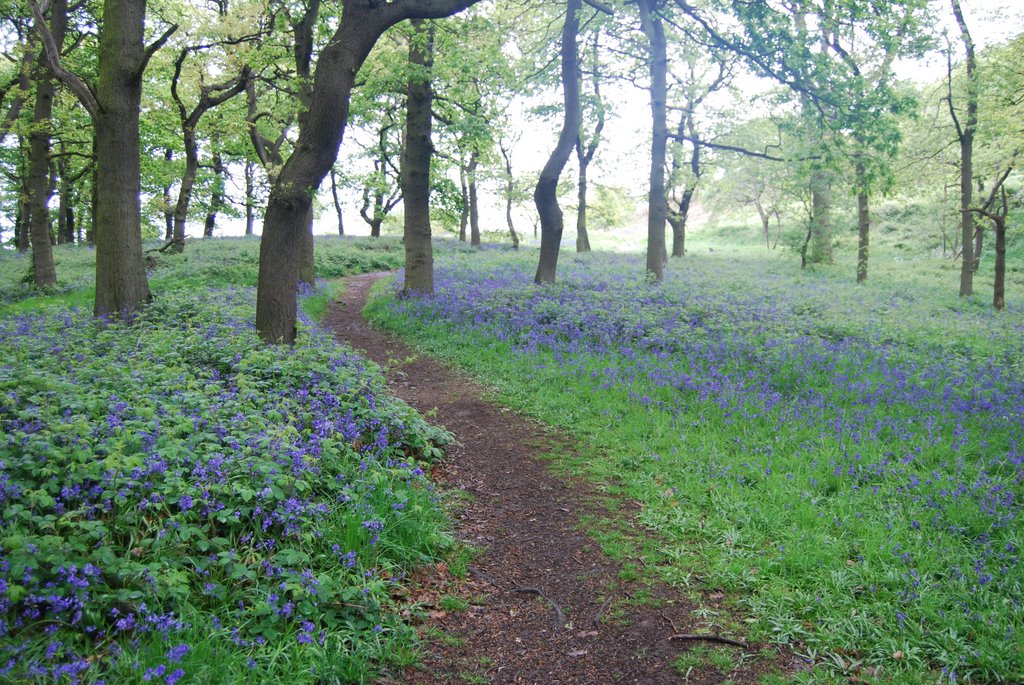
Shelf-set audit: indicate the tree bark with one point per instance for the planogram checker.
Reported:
(464, 211)
(582, 238)
(863, 223)
(23, 221)
(999, 277)
(657, 207)
(474, 201)
(321, 129)
(545, 195)
(250, 197)
(121, 285)
(39, 188)
(216, 196)
(965, 134)
(821, 218)
(419, 257)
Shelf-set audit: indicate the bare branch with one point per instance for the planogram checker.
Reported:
(152, 48)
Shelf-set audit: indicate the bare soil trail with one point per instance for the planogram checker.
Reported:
(546, 606)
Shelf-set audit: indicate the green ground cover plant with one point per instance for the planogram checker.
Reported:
(846, 461)
(182, 502)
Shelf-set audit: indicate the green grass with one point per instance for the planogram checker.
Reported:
(717, 519)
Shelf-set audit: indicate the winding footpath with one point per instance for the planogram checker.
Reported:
(545, 605)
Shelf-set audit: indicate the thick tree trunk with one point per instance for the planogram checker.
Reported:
(419, 257)
(545, 195)
(121, 285)
(657, 207)
(474, 201)
(321, 129)
(39, 187)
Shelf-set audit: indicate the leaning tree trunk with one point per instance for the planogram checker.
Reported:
(545, 195)
(419, 257)
(657, 207)
(188, 180)
(321, 129)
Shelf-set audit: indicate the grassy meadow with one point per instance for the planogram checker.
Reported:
(845, 462)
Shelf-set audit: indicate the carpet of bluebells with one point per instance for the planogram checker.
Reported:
(847, 460)
(182, 503)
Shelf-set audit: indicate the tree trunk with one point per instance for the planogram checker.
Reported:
(121, 285)
(966, 137)
(474, 202)
(979, 244)
(65, 210)
(657, 209)
(765, 222)
(419, 257)
(678, 219)
(337, 203)
(321, 129)
(999, 277)
(582, 239)
(39, 189)
(863, 224)
(464, 211)
(307, 263)
(167, 208)
(545, 195)
(216, 196)
(821, 218)
(510, 186)
(23, 221)
(188, 180)
(250, 197)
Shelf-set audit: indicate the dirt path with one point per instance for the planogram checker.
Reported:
(546, 605)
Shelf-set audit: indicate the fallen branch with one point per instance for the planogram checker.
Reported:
(710, 638)
(553, 603)
(169, 245)
(480, 574)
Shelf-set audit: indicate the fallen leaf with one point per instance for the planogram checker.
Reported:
(580, 652)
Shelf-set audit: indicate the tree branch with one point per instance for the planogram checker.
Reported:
(75, 84)
(152, 48)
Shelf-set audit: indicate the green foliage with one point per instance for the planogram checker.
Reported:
(177, 495)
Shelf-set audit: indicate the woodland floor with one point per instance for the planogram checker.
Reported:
(545, 604)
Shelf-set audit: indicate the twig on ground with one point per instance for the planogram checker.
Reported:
(670, 622)
(480, 574)
(553, 603)
(596, 621)
(710, 638)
